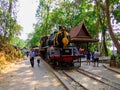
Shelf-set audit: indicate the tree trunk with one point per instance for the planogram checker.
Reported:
(102, 23)
(10, 6)
(104, 45)
(115, 41)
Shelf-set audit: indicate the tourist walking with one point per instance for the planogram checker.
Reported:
(38, 61)
(32, 55)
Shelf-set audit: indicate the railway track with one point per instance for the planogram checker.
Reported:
(68, 83)
(84, 81)
(104, 80)
(71, 82)
(106, 74)
(80, 79)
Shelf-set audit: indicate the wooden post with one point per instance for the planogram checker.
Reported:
(80, 61)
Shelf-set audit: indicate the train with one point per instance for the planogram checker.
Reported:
(58, 50)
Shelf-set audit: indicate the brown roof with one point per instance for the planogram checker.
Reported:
(79, 30)
(80, 33)
(74, 31)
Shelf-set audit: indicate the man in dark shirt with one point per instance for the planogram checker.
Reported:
(32, 55)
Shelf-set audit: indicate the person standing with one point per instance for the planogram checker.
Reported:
(32, 55)
(96, 58)
(88, 55)
(92, 56)
(27, 53)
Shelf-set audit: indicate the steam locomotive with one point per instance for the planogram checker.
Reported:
(58, 50)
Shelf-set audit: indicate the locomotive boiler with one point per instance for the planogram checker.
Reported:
(58, 50)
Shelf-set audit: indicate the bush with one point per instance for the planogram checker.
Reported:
(3, 61)
(9, 54)
(118, 56)
(113, 57)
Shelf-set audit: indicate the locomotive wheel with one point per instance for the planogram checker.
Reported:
(71, 63)
(68, 64)
(56, 63)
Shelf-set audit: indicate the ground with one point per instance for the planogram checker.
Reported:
(23, 77)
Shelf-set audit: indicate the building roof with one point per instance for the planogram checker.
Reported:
(80, 33)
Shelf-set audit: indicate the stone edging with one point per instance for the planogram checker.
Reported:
(111, 69)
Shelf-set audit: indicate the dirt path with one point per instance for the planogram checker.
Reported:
(23, 77)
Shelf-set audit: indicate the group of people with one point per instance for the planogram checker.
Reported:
(94, 56)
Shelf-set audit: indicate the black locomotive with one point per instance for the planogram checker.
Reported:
(57, 48)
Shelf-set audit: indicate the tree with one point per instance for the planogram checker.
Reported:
(8, 30)
(101, 23)
(115, 41)
(8, 25)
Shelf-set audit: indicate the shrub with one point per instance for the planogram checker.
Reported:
(113, 57)
(118, 56)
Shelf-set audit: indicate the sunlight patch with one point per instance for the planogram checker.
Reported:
(95, 82)
(86, 79)
(84, 84)
(118, 76)
(45, 76)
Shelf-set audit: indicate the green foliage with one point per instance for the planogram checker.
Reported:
(109, 52)
(8, 24)
(113, 57)
(19, 54)
(18, 42)
(118, 56)
(117, 14)
(92, 47)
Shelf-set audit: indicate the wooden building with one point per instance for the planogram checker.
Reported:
(80, 35)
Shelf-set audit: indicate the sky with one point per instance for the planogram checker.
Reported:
(26, 16)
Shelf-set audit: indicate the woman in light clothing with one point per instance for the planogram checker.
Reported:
(96, 58)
